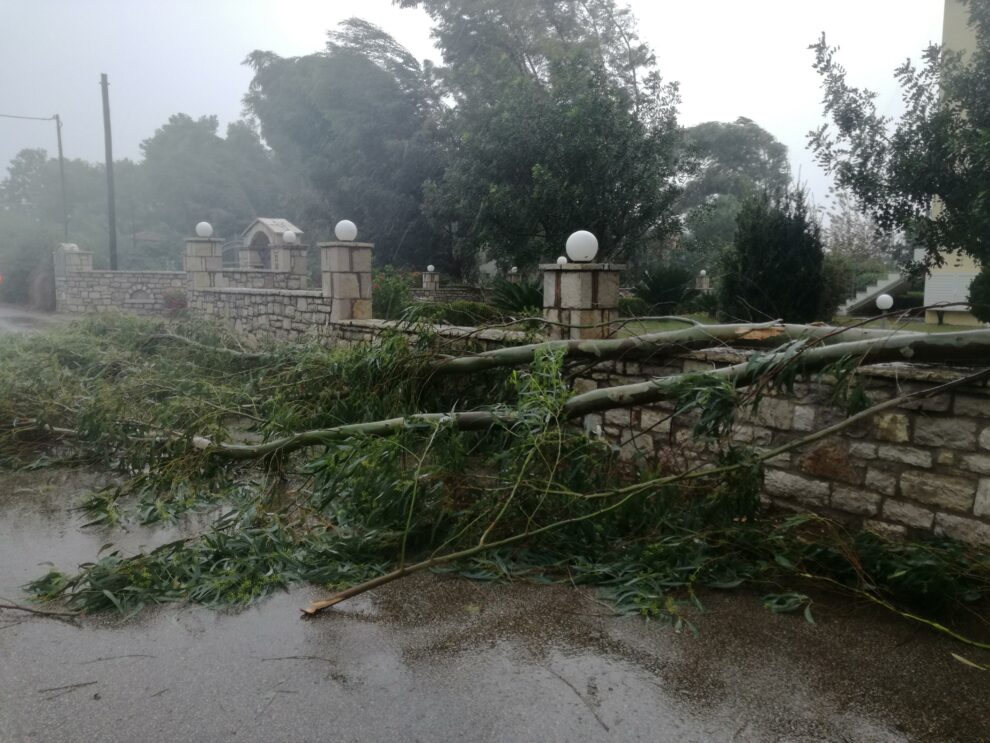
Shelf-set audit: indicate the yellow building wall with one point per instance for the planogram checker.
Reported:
(950, 283)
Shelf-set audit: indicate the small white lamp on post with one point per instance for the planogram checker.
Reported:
(431, 279)
(345, 231)
(581, 247)
(884, 303)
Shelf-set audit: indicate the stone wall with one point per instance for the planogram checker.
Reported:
(446, 294)
(259, 278)
(265, 314)
(140, 292)
(920, 468)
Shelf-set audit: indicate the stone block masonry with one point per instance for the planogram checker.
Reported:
(923, 468)
(581, 300)
(79, 289)
(346, 279)
(266, 314)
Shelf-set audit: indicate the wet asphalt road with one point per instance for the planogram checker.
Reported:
(19, 320)
(436, 658)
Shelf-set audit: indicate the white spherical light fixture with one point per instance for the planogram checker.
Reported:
(582, 247)
(345, 230)
(703, 273)
(885, 302)
(289, 237)
(562, 260)
(514, 269)
(431, 268)
(204, 229)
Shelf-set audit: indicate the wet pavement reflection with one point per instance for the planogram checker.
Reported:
(438, 658)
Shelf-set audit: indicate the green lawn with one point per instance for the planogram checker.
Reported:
(641, 327)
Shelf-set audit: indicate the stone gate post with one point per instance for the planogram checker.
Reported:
(345, 270)
(202, 261)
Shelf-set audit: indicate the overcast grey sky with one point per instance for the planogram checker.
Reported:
(732, 57)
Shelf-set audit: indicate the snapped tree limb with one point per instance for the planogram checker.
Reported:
(965, 347)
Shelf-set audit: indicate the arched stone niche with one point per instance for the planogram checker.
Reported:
(263, 239)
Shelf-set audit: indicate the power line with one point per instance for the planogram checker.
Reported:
(29, 118)
(61, 160)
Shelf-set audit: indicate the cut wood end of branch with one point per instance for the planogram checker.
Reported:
(761, 334)
(317, 606)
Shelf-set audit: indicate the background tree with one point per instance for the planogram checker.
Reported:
(927, 173)
(560, 122)
(357, 125)
(194, 174)
(774, 268)
(732, 161)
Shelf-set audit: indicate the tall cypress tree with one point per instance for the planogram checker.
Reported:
(774, 268)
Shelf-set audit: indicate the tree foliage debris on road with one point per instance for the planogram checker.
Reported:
(352, 467)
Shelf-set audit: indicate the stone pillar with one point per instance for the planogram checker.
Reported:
(703, 283)
(203, 262)
(290, 259)
(431, 281)
(345, 272)
(581, 294)
(514, 277)
(70, 259)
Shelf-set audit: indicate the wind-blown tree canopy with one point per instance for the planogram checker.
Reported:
(735, 158)
(732, 161)
(358, 124)
(560, 122)
(927, 172)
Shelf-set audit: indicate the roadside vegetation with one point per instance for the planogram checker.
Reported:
(526, 496)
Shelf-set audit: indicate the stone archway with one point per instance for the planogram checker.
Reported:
(261, 238)
(260, 251)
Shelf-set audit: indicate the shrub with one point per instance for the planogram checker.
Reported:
(774, 267)
(174, 300)
(518, 299)
(392, 293)
(979, 296)
(666, 289)
(633, 307)
(461, 312)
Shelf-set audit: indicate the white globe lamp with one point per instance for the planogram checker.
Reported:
(703, 273)
(204, 229)
(345, 230)
(514, 269)
(582, 247)
(431, 268)
(562, 261)
(885, 302)
(289, 237)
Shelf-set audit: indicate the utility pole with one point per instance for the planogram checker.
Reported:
(61, 174)
(111, 199)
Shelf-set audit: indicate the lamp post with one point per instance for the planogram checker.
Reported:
(580, 296)
(884, 303)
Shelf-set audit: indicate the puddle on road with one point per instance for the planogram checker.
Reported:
(436, 658)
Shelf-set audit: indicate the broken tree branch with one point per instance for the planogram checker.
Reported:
(626, 493)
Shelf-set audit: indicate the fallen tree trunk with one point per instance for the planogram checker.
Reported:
(652, 344)
(968, 346)
(662, 344)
